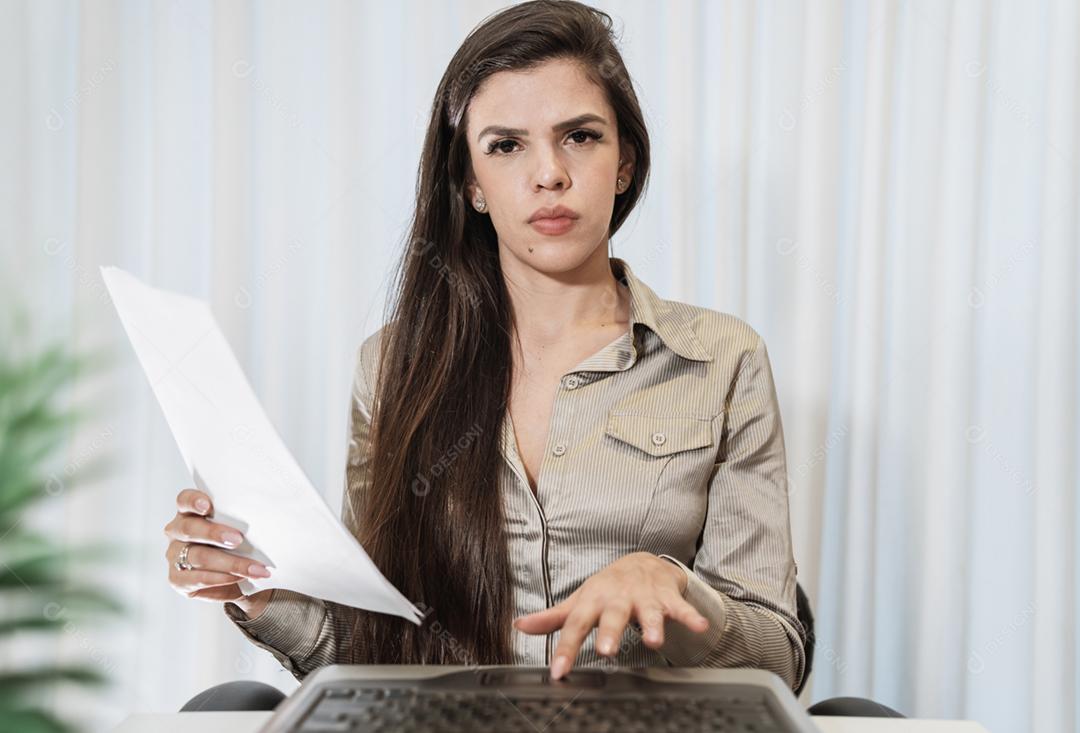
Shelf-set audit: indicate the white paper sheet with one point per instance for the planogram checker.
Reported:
(234, 454)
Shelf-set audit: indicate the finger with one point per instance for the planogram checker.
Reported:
(194, 501)
(219, 593)
(678, 609)
(543, 622)
(651, 617)
(205, 557)
(612, 625)
(187, 581)
(578, 625)
(186, 528)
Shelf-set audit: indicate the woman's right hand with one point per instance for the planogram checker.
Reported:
(216, 572)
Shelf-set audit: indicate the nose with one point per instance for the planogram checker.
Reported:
(550, 172)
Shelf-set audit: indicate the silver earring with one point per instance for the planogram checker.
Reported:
(620, 184)
(480, 204)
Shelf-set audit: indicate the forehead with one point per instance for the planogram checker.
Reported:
(536, 98)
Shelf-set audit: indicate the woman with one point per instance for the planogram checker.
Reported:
(563, 466)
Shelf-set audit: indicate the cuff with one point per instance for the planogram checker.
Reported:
(290, 622)
(683, 647)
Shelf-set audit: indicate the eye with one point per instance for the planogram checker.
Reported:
(589, 136)
(498, 145)
(580, 138)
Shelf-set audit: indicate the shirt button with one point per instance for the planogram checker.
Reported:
(659, 438)
(573, 381)
(559, 449)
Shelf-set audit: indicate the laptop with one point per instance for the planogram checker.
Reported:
(505, 699)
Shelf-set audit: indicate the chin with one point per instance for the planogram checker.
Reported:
(554, 257)
(557, 254)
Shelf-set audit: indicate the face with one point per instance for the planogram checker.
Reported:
(544, 138)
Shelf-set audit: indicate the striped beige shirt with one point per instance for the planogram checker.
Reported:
(668, 440)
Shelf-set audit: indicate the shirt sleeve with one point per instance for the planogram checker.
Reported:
(742, 578)
(302, 632)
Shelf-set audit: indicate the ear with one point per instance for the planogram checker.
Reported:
(471, 185)
(628, 158)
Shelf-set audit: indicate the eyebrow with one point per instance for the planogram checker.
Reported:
(518, 132)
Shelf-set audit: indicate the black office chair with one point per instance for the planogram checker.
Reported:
(250, 695)
(806, 618)
(850, 706)
(235, 695)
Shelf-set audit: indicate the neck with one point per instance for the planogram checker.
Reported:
(554, 307)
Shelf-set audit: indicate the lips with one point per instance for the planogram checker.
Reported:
(554, 227)
(553, 212)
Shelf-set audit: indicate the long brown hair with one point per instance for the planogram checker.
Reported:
(433, 518)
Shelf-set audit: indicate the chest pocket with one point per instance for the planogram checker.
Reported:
(660, 435)
(639, 460)
(670, 457)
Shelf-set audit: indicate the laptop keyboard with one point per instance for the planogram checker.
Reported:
(379, 708)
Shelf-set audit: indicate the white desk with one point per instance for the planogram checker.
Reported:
(241, 722)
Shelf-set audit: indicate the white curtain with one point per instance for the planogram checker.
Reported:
(887, 191)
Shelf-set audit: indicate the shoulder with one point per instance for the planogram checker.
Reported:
(726, 337)
(366, 362)
(368, 351)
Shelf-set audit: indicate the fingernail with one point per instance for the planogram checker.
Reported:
(606, 646)
(202, 505)
(232, 539)
(259, 570)
(558, 667)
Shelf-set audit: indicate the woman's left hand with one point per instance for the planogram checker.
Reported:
(641, 585)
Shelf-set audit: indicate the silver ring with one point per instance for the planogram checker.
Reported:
(181, 560)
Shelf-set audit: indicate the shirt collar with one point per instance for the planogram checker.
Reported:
(671, 325)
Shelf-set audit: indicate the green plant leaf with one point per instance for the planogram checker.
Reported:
(37, 594)
(79, 601)
(19, 541)
(30, 623)
(94, 552)
(18, 491)
(80, 675)
(33, 721)
(30, 573)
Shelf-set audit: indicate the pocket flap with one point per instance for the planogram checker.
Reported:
(660, 435)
